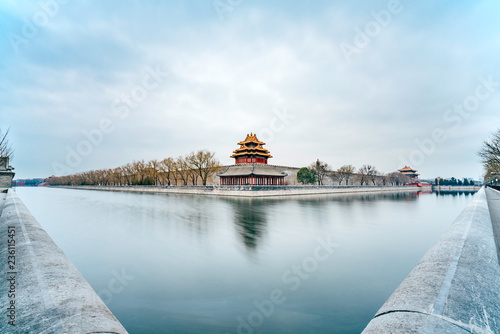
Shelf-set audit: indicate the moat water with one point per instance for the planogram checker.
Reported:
(194, 264)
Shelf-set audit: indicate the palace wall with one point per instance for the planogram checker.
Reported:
(291, 178)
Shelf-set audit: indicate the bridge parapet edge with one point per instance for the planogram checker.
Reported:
(49, 293)
(455, 288)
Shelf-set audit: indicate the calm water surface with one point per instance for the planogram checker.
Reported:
(194, 264)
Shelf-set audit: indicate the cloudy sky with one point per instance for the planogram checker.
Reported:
(96, 84)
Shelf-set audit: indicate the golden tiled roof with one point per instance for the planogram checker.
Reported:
(407, 169)
(251, 138)
(248, 152)
(246, 149)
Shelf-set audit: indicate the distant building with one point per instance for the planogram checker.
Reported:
(411, 173)
(29, 182)
(251, 166)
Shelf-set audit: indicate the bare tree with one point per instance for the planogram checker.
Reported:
(167, 167)
(175, 175)
(322, 169)
(128, 173)
(345, 172)
(404, 179)
(366, 173)
(397, 178)
(139, 171)
(490, 155)
(118, 179)
(385, 179)
(199, 165)
(363, 176)
(372, 173)
(393, 178)
(492, 172)
(181, 168)
(154, 168)
(204, 164)
(193, 176)
(5, 147)
(103, 177)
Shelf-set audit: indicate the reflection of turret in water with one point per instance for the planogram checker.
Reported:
(250, 219)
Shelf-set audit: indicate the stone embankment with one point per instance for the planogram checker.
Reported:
(456, 188)
(455, 288)
(258, 191)
(41, 290)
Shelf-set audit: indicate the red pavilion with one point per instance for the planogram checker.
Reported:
(411, 173)
(251, 166)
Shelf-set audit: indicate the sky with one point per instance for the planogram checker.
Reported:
(97, 84)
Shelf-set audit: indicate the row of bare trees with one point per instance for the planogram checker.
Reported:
(490, 157)
(365, 175)
(6, 149)
(192, 169)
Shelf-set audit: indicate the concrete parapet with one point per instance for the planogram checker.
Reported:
(42, 291)
(455, 288)
(6, 179)
(6, 173)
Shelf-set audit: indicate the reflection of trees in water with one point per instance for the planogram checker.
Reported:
(352, 198)
(455, 193)
(250, 219)
(250, 214)
(196, 213)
